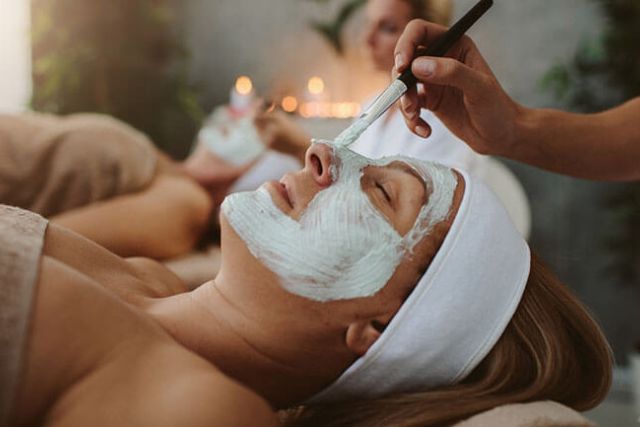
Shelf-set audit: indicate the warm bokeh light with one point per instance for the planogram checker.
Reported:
(289, 104)
(338, 110)
(244, 86)
(315, 85)
(344, 110)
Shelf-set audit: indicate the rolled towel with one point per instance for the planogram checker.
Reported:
(21, 240)
(51, 164)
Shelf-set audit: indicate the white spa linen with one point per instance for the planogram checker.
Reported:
(455, 314)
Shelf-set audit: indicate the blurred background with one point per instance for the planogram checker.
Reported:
(162, 65)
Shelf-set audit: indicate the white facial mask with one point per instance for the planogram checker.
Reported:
(342, 246)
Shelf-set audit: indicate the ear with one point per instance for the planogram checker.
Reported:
(362, 334)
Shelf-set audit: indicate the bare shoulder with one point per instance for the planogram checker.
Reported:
(215, 400)
(197, 394)
(160, 385)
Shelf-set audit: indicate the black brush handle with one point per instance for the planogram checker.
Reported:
(442, 45)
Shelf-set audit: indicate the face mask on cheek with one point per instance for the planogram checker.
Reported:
(341, 247)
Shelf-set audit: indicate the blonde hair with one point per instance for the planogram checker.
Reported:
(438, 11)
(551, 350)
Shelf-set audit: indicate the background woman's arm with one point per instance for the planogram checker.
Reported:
(162, 221)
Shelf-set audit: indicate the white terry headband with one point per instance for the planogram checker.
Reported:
(455, 314)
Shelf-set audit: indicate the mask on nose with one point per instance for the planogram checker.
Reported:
(342, 247)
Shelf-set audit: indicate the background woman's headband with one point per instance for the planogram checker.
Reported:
(457, 311)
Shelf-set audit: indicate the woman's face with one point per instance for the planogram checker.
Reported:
(395, 190)
(385, 21)
(340, 227)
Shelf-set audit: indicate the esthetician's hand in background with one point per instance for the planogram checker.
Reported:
(461, 90)
(214, 174)
(282, 134)
(465, 95)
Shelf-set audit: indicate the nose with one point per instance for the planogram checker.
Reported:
(369, 37)
(318, 161)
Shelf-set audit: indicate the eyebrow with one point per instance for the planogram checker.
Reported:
(404, 167)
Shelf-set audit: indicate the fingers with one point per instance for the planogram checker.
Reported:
(449, 72)
(417, 33)
(410, 108)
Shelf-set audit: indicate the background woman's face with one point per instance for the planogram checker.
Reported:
(385, 21)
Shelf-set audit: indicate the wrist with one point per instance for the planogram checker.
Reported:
(301, 151)
(526, 134)
(299, 145)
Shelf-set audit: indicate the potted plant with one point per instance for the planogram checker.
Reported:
(122, 58)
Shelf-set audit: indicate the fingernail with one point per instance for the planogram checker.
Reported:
(426, 67)
(399, 61)
(406, 103)
(423, 132)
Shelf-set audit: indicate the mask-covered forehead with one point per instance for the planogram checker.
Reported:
(440, 184)
(425, 169)
(344, 158)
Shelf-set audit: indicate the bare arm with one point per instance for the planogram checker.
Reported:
(466, 96)
(162, 221)
(603, 146)
(279, 132)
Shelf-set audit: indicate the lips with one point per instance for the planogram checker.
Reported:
(280, 190)
(284, 191)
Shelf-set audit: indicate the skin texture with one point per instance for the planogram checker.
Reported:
(116, 362)
(465, 95)
(130, 329)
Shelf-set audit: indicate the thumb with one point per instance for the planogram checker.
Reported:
(450, 72)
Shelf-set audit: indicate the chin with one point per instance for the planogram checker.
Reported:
(380, 67)
(226, 230)
(233, 248)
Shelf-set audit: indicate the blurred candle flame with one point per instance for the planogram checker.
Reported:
(244, 86)
(289, 104)
(315, 85)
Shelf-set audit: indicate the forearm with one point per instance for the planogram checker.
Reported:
(296, 145)
(602, 146)
(160, 222)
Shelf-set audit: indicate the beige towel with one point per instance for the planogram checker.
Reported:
(21, 239)
(51, 164)
(536, 414)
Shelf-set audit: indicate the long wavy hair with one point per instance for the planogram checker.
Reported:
(552, 349)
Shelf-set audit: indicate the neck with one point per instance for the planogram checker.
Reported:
(282, 365)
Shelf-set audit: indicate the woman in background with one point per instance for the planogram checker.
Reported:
(385, 22)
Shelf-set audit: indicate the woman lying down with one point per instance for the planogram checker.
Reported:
(353, 292)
